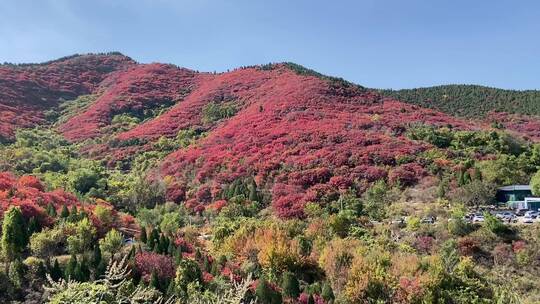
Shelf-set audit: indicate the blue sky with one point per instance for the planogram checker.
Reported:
(375, 43)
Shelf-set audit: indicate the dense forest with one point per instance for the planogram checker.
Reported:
(268, 184)
(470, 101)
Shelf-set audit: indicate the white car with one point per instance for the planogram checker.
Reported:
(478, 218)
(528, 220)
(531, 214)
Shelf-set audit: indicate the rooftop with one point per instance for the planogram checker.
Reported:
(515, 188)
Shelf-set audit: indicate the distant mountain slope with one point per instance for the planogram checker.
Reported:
(470, 101)
(294, 132)
(28, 90)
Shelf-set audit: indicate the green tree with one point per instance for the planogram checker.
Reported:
(265, 293)
(71, 268)
(96, 256)
(112, 242)
(83, 238)
(327, 293)
(188, 271)
(56, 271)
(143, 236)
(45, 243)
(290, 285)
(51, 211)
(535, 184)
(64, 213)
(14, 238)
(16, 273)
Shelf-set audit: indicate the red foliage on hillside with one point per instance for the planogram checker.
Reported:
(28, 192)
(527, 126)
(298, 132)
(27, 90)
(148, 262)
(134, 90)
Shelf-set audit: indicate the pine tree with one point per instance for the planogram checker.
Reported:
(206, 264)
(143, 237)
(65, 212)
(198, 254)
(33, 226)
(51, 211)
(14, 237)
(16, 273)
(100, 269)
(71, 268)
(96, 256)
(327, 293)
(84, 271)
(172, 248)
(154, 280)
(41, 270)
(170, 289)
(56, 271)
(290, 285)
(253, 194)
(265, 293)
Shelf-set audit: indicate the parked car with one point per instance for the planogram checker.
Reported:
(429, 220)
(504, 215)
(478, 218)
(531, 214)
(520, 212)
(528, 220)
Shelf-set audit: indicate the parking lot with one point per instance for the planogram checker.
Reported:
(508, 216)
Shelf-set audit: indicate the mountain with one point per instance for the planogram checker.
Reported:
(470, 101)
(272, 182)
(298, 134)
(28, 90)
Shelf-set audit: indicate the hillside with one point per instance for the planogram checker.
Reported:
(470, 101)
(265, 184)
(28, 90)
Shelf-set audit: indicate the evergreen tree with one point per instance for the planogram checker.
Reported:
(172, 248)
(327, 293)
(71, 268)
(154, 280)
(198, 254)
(56, 271)
(206, 264)
(14, 237)
(41, 271)
(253, 194)
(16, 273)
(33, 226)
(170, 289)
(265, 293)
(143, 237)
(84, 270)
(290, 285)
(64, 213)
(96, 256)
(100, 269)
(51, 211)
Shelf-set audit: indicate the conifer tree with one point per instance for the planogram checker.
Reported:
(327, 293)
(154, 280)
(14, 237)
(71, 268)
(290, 285)
(51, 211)
(96, 256)
(64, 213)
(56, 271)
(143, 237)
